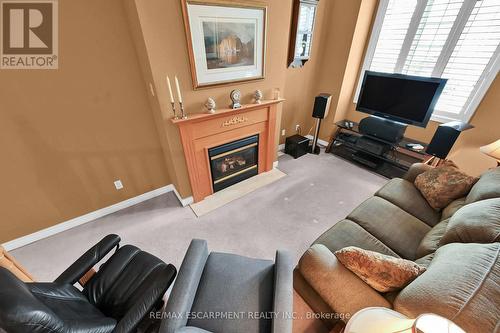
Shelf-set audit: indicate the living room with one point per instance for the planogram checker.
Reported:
(230, 161)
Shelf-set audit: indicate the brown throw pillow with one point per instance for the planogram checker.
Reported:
(443, 184)
(382, 272)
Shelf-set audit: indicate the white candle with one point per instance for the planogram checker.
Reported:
(170, 90)
(178, 89)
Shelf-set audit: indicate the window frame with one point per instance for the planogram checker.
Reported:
(484, 82)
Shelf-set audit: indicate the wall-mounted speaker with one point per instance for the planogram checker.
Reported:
(322, 106)
(445, 137)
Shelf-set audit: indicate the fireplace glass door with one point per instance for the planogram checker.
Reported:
(233, 162)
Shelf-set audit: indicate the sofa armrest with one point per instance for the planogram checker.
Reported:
(415, 170)
(283, 292)
(341, 289)
(181, 299)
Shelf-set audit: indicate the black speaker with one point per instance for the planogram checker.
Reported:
(383, 129)
(445, 137)
(322, 106)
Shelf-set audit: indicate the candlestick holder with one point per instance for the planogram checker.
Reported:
(173, 110)
(183, 115)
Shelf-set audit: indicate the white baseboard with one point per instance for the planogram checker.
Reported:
(320, 142)
(281, 147)
(184, 201)
(60, 227)
(275, 164)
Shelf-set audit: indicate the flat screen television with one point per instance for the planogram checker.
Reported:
(402, 98)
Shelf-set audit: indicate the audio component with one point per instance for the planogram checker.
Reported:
(445, 137)
(383, 129)
(320, 111)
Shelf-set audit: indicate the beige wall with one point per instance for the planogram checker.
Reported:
(164, 44)
(67, 134)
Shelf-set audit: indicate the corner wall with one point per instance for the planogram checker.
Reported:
(66, 135)
(164, 42)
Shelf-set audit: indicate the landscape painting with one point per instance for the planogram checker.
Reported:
(229, 44)
(226, 42)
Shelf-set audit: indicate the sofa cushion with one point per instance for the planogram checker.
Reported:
(430, 242)
(383, 273)
(443, 184)
(347, 233)
(399, 230)
(461, 284)
(452, 208)
(406, 196)
(478, 222)
(487, 187)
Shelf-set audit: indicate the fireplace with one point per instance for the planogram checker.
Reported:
(234, 162)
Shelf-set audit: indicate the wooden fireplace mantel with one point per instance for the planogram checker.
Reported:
(200, 132)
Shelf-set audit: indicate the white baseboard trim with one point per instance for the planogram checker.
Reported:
(60, 227)
(275, 164)
(184, 201)
(281, 147)
(320, 142)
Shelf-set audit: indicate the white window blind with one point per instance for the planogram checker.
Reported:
(453, 39)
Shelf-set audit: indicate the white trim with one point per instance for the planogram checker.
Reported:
(484, 83)
(89, 217)
(321, 142)
(275, 164)
(281, 147)
(184, 201)
(410, 35)
(451, 42)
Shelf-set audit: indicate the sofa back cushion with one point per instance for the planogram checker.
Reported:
(478, 222)
(461, 284)
(487, 187)
(430, 242)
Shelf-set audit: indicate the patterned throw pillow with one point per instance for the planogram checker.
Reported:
(382, 272)
(443, 184)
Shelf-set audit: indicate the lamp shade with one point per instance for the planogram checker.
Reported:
(492, 150)
(382, 320)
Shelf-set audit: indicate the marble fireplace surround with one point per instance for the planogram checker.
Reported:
(203, 131)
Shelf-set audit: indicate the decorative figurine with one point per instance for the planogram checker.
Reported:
(235, 97)
(258, 96)
(210, 105)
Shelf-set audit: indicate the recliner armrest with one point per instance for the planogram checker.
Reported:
(283, 292)
(415, 170)
(341, 289)
(83, 264)
(183, 293)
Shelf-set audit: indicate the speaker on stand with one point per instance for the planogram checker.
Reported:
(444, 139)
(320, 111)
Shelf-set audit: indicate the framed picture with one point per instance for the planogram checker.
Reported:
(226, 41)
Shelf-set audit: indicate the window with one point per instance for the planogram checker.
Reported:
(453, 39)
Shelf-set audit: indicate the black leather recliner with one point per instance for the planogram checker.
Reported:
(129, 285)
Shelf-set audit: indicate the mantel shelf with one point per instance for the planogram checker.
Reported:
(225, 112)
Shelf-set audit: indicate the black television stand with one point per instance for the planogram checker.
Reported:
(386, 158)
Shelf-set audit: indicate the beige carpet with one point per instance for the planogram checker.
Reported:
(236, 191)
(288, 214)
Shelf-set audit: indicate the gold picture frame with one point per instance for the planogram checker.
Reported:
(244, 51)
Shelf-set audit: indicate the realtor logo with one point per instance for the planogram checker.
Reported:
(29, 36)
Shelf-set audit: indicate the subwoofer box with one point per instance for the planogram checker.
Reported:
(296, 145)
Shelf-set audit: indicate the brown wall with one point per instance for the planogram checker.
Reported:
(164, 44)
(67, 134)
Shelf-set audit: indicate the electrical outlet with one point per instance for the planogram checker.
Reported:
(283, 132)
(118, 184)
(297, 128)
